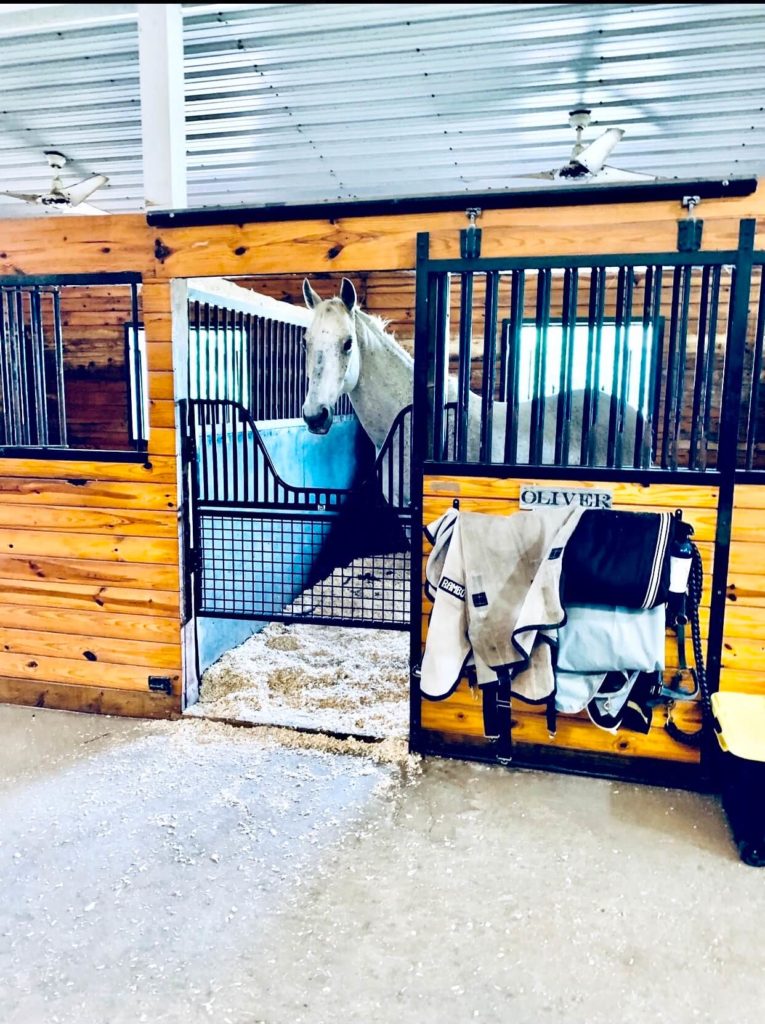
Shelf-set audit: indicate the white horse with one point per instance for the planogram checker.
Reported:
(349, 352)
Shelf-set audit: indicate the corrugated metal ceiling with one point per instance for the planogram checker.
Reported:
(311, 102)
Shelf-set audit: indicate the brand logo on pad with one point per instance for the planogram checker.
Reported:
(451, 587)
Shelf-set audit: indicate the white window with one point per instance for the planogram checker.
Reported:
(634, 341)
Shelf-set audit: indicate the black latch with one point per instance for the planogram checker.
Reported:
(470, 237)
(690, 230)
(160, 684)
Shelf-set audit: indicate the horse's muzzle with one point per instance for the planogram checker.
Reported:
(319, 422)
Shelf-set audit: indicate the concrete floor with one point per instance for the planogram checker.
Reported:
(191, 872)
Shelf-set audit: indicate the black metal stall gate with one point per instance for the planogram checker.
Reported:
(264, 549)
(640, 368)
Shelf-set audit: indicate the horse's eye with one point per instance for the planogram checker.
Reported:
(348, 345)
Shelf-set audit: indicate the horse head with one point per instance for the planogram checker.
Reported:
(332, 354)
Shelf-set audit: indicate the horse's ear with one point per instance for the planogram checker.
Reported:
(310, 296)
(348, 294)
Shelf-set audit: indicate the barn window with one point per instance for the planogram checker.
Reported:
(631, 346)
(73, 371)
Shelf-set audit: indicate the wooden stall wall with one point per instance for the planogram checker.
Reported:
(458, 719)
(89, 576)
(743, 653)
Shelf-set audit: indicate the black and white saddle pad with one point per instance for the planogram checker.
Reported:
(618, 558)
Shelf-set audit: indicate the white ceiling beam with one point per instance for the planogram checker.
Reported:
(163, 119)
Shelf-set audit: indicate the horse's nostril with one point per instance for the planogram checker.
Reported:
(323, 414)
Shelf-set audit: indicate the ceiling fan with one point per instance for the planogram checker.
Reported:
(60, 197)
(588, 160)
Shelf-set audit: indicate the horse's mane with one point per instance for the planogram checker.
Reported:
(376, 333)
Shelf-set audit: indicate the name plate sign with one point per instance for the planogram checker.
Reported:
(550, 496)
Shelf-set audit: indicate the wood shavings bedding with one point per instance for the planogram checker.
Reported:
(325, 678)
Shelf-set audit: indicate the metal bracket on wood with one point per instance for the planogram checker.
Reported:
(689, 231)
(161, 684)
(470, 237)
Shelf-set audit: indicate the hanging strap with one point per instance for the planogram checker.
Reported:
(695, 589)
(497, 715)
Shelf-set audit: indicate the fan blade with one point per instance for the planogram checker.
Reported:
(92, 211)
(617, 174)
(595, 155)
(80, 191)
(25, 197)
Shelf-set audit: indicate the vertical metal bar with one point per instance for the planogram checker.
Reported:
(421, 424)
(237, 349)
(626, 371)
(517, 300)
(699, 395)
(618, 356)
(260, 359)
(754, 397)
(597, 370)
(58, 352)
(657, 364)
(141, 425)
(247, 378)
(5, 392)
(463, 373)
(591, 381)
(16, 322)
(679, 384)
(728, 444)
(489, 363)
(207, 391)
(567, 347)
(504, 336)
(9, 383)
(669, 390)
(214, 406)
(440, 322)
(37, 344)
(645, 342)
(538, 399)
(293, 371)
(709, 368)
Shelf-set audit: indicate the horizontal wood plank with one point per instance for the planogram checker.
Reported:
(93, 621)
(104, 650)
(658, 495)
(86, 494)
(44, 571)
(68, 519)
(107, 600)
(117, 548)
(158, 469)
(41, 668)
(92, 700)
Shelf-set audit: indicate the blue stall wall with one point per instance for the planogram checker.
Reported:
(315, 460)
(300, 458)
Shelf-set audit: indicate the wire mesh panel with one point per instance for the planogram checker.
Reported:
(611, 362)
(265, 549)
(269, 567)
